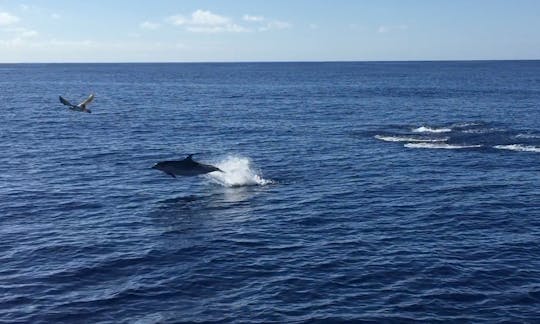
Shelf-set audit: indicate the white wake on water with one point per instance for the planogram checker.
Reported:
(408, 139)
(440, 146)
(518, 147)
(237, 172)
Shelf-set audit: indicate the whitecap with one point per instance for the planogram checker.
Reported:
(483, 130)
(527, 136)
(440, 146)
(518, 147)
(424, 129)
(408, 139)
(467, 124)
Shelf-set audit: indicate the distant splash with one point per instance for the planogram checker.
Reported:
(467, 135)
(518, 148)
(424, 129)
(237, 172)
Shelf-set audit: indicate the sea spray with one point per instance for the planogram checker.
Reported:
(237, 172)
(424, 129)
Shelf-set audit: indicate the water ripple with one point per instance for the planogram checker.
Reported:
(334, 213)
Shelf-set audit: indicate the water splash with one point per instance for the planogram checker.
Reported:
(237, 172)
(424, 129)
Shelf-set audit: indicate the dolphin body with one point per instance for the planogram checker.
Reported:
(186, 167)
(80, 107)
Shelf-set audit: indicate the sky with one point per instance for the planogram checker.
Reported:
(267, 30)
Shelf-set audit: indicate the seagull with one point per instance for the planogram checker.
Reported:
(80, 107)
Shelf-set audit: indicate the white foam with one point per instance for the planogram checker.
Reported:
(408, 139)
(527, 136)
(483, 130)
(237, 172)
(424, 129)
(440, 146)
(518, 147)
(466, 124)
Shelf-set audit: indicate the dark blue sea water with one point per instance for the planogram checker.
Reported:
(385, 192)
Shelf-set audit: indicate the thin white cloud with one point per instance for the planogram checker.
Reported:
(233, 28)
(79, 43)
(11, 43)
(261, 23)
(28, 33)
(16, 36)
(20, 32)
(203, 21)
(275, 25)
(202, 17)
(55, 16)
(7, 19)
(178, 20)
(253, 18)
(279, 24)
(148, 25)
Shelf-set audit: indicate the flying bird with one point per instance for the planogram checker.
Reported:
(80, 107)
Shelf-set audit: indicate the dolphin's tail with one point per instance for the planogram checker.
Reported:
(214, 168)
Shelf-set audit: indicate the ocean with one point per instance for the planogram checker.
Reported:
(352, 191)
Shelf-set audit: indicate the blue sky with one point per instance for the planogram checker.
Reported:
(269, 30)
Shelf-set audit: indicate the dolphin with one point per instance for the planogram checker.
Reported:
(80, 107)
(185, 167)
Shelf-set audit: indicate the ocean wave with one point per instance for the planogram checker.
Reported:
(518, 147)
(408, 139)
(482, 130)
(440, 146)
(522, 135)
(424, 129)
(466, 124)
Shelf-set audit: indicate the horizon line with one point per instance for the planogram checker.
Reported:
(276, 61)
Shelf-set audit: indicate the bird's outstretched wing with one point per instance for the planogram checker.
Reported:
(87, 101)
(64, 101)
